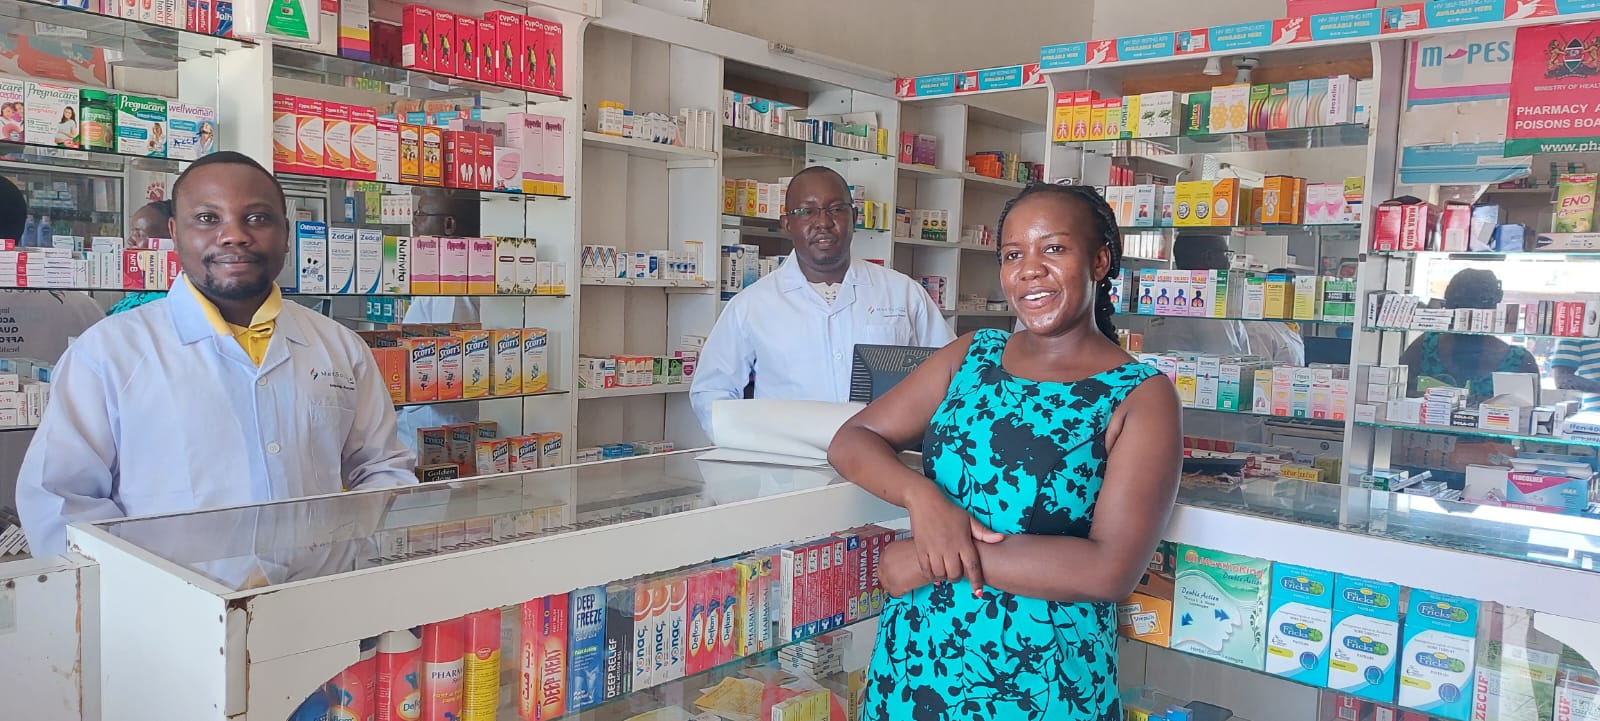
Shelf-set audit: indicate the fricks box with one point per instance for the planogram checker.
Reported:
(1299, 623)
(1436, 663)
(1366, 636)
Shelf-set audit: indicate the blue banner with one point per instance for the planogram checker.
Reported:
(1352, 24)
(1069, 55)
(1144, 47)
(1447, 13)
(1573, 7)
(1000, 78)
(931, 85)
(1241, 36)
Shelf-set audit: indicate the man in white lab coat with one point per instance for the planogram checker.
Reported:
(221, 393)
(796, 329)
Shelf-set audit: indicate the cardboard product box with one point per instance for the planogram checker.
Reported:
(311, 257)
(466, 38)
(341, 265)
(1159, 114)
(1220, 606)
(309, 140)
(487, 34)
(1365, 639)
(425, 256)
(284, 127)
(509, 56)
(363, 142)
(1439, 654)
(444, 42)
(1225, 202)
(417, 43)
(1299, 623)
(553, 66)
(532, 65)
(336, 140)
(431, 144)
(1260, 117)
(1230, 109)
(141, 126)
(1147, 614)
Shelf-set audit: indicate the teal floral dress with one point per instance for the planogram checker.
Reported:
(1022, 457)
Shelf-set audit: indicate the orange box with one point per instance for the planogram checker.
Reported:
(505, 362)
(284, 127)
(1277, 200)
(524, 452)
(431, 140)
(451, 378)
(463, 445)
(422, 369)
(410, 154)
(308, 135)
(392, 368)
(475, 362)
(1225, 202)
(549, 449)
(493, 456)
(336, 139)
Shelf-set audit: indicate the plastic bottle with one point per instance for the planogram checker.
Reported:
(481, 694)
(443, 660)
(399, 676)
(314, 708)
(99, 119)
(354, 691)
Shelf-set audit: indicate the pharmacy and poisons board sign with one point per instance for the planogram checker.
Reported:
(1555, 90)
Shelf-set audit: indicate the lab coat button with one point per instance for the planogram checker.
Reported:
(273, 448)
(261, 382)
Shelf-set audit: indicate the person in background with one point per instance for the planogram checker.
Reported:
(796, 329)
(1050, 466)
(151, 221)
(1465, 361)
(1575, 365)
(42, 323)
(436, 211)
(1276, 340)
(221, 393)
(1201, 337)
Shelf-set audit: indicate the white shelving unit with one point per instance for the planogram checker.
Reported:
(970, 199)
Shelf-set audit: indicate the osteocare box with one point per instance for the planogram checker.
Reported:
(308, 135)
(1299, 621)
(425, 265)
(481, 266)
(535, 365)
(396, 278)
(192, 131)
(453, 253)
(1366, 636)
(505, 362)
(341, 260)
(141, 126)
(311, 257)
(44, 116)
(1219, 606)
(1439, 653)
(369, 261)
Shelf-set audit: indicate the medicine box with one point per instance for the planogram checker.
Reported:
(369, 261)
(341, 264)
(1230, 109)
(1299, 622)
(311, 257)
(192, 130)
(505, 362)
(424, 265)
(1220, 606)
(1439, 654)
(396, 279)
(44, 115)
(1146, 615)
(535, 360)
(1365, 639)
(335, 139)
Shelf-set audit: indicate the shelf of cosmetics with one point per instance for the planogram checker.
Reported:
(1409, 224)
(1377, 641)
(1254, 385)
(859, 132)
(1226, 203)
(53, 115)
(571, 652)
(1234, 294)
(420, 143)
(1082, 115)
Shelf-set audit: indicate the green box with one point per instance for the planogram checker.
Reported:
(1197, 116)
(1220, 606)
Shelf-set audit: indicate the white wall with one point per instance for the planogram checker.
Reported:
(1115, 18)
(918, 37)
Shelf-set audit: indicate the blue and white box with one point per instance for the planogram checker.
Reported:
(1439, 654)
(1366, 636)
(1299, 623)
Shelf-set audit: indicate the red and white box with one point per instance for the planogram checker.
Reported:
(416, 38)
(466, 47)
(508, 53)
(550, 62)
(488, 69)
(531, 66)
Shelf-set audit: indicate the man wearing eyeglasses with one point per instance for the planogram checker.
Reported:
(796, 329)
(1201, 337)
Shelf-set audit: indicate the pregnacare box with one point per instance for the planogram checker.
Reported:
(1299, 621)
(51, 115)
(1366, 634)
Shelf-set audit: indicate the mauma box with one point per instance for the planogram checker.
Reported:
(1299, 620)
(1219, 606)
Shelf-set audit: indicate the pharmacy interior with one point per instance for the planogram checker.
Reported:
(1356, 238)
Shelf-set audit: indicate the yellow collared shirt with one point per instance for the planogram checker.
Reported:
(255, 338)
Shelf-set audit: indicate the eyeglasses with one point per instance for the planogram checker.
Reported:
(833, 212)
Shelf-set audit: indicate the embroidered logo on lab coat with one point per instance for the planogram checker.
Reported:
(335, 379)
(898, 311)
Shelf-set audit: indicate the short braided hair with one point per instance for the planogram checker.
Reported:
(1110, 233)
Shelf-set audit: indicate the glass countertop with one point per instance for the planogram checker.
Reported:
(1553, 539)
(255, 546)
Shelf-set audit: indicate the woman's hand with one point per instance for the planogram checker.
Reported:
(946, 538)
(898, 569)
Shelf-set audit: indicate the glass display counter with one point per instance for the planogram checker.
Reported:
(266, 611)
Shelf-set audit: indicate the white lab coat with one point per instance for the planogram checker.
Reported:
(798, 346)
(151, 411)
